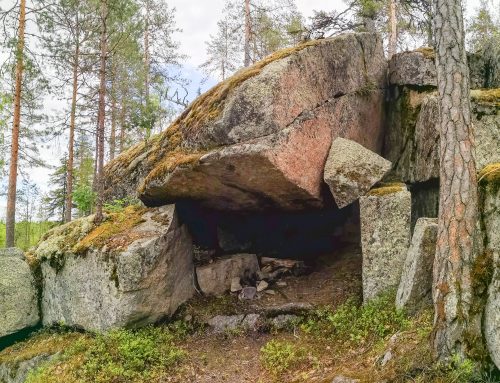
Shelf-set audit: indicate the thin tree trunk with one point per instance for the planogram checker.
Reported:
(147, 68)
(122, 123)
(14, 152)
(101, 114)
(71, 143)
(112, 136)
(248, 33)
(393, 35)
(456, 322)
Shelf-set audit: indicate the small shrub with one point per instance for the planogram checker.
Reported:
(116, 356)
(358, 323)
(279, 356)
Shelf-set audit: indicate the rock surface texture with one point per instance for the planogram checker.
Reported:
(18, 294)
(215, 278)
(135, 277)
(18, 372)
(351, 170)
(412, 137)
(490, 187)
(415, 288)
(261, 138)
(385, 237)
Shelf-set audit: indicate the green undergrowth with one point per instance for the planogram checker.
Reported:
(353, 322)
(117, 356)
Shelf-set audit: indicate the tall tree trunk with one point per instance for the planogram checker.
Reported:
(122, 123)
(393, 23)
(71, 142)
(456, 322)
(112, 135)
(248, 33)
(101, 113)
(147, 69)
(14, 151)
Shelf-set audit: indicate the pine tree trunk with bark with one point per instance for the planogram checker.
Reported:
(101, 113)
(457, 324)
(393, 27)
(14, 151)
(71, 141)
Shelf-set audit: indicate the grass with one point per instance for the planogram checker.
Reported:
(27, 233)
(117, 356)
(278, 356)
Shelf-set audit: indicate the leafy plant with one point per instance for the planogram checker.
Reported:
(358, 323)
(278, 356)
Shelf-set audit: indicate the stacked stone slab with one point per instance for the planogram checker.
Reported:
(137, 277)
(490, 188)
(412, 135)
(351, 170)
(385, 237)
(18, 293)
(415, 288)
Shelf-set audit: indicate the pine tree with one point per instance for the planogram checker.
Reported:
(457, 325)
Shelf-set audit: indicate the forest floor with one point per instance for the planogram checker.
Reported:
(337, 336)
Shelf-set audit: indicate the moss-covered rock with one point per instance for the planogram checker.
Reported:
(133, 269)
(261, 137)
(18, 293)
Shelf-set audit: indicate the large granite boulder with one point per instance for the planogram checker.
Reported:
(260, 139)
(417, 68)
(415, 288)
(18, 293)
(490, 190)
(412, 139)
(351, 170)
(385, 237)
(215, 278)
(133, 269)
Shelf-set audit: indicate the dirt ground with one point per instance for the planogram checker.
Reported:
(333, 278)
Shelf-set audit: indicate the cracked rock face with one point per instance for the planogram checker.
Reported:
(385, 238)
(135, 283)
(412, 139)
(351, 170)
(415, 288)
(268, 146)
(18, 295)
(491, 217)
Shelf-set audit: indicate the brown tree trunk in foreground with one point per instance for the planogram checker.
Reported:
(101, 114)
(14, 151)
(248, 33)
(456, 324)
(393, 24)
(71, 142)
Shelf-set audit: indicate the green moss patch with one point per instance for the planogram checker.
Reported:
(428, 52)
(115, 224)
(386, 189)
(486, 96)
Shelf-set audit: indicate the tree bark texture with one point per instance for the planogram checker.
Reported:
(101, 113)
(71, 141)
(457, 326)
(393, 24)
(14, 151)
